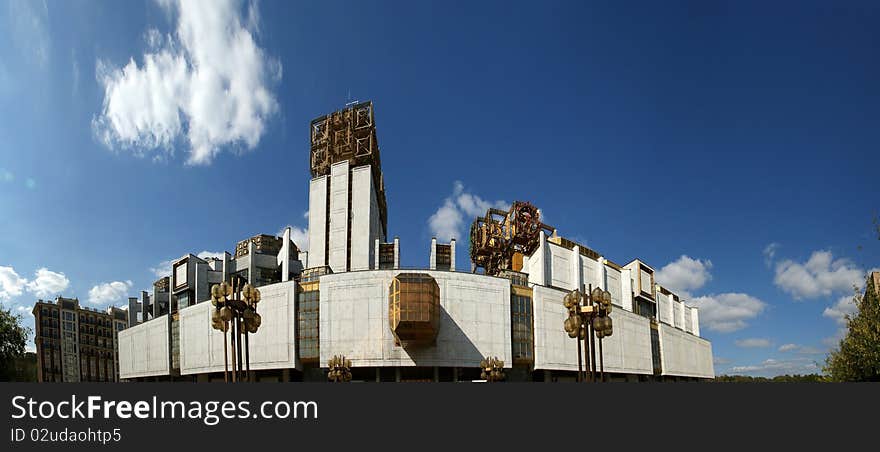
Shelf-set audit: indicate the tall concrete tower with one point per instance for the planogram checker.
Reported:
(347, 208)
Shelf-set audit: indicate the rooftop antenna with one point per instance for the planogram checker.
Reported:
(350, 102)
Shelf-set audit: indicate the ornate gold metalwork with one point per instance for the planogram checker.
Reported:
(492, 369)
(414, 309)
(235, 311)
(499, 236)
(339, 369)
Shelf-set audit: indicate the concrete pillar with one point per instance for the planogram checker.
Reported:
(452, 255)
(538, 274)
(284, 255)
(396, 253)
(252, 266)
(376, 255)
(577, 277)
(432, 264)
(600, 274)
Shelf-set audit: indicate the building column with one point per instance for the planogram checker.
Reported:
(432, 264)
(376, 255)
(452, 255)
(577, 277)
(396, 253)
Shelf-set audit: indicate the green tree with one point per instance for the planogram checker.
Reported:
(857, 357)
(13, 337)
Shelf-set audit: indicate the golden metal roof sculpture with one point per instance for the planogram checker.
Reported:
(500, 236)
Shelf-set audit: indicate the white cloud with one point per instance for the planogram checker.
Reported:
(685, 274)
(788, 347)
(844, 306)
(446, 223)
(753, 342)
(211, 254)
(163, 268)
(11, 285)
(727, 312)
(208, 82)
(820, 275)
(800, 349)
(300, 236)
(770, 253)
(109, 292)
(773, 367)
(47, 283)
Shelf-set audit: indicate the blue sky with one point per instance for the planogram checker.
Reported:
(732, 145)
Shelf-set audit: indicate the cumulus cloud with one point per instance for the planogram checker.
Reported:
(47, 283)
(753, 342)
(208, 83)
(109, 292)
(685, 274)
(448, 221)
(300, 236)
(11, 285)
(727, 312)
(820, 275)
(845, 306)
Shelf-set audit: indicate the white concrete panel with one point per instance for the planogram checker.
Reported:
(695, 318)
(143, 349)
(337, 257)
(590, 272)
(474, 320)
(664, 308)
(560, 267)
(678, 314)
(626, 289)
(317, 221)
(361, 213)
(684, 354)
(688, 321)
(612, 284)
(628, 350)
(273, 346)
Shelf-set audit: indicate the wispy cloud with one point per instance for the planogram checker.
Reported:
(209, 83)
(753, 342)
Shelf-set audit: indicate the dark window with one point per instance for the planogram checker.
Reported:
(307, 336)
(521, 328)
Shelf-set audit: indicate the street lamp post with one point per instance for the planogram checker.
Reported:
(587, 319)
(492, 369)
(235, 308)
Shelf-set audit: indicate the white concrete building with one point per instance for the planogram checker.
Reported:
(430, 324)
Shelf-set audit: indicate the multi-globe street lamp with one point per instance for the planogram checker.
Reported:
(588, 318)
(339, 369)
(235, 309)
(492, 369)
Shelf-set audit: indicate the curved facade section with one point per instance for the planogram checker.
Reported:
(474, 320)
(272, 347)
